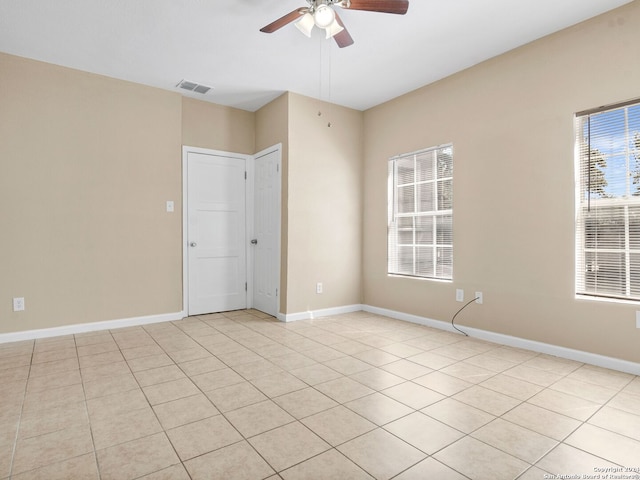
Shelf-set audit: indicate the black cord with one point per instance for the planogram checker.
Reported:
(456, 314)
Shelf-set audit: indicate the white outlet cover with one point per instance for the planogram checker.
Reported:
(637, 319)
(459, 295)
(18, 304)
(170, 206)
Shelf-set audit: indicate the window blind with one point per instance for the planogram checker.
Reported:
(608, 202)
(420, 227)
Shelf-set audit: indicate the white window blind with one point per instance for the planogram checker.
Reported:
(608, 202)
(420, 226)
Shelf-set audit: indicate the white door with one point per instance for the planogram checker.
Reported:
(266, 237)
(216, 233)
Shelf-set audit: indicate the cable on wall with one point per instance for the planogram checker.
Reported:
(456, 314)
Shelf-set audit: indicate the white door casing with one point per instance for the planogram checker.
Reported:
(266, 230)
(215, 249)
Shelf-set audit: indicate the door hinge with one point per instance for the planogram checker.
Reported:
(276, 292)
(277, 167)
(245, 174)
(245, 286)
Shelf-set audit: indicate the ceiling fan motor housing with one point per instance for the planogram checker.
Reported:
(315, 4)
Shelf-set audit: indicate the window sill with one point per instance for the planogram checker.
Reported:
(620, 301)
(429, 279)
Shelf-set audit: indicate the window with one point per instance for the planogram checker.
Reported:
(420, 232)
(608, 202)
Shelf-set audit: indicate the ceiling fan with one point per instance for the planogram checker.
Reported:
(322, 14)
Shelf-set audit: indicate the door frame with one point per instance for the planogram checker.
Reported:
(185, 218)
(249, 219)
(277, 148)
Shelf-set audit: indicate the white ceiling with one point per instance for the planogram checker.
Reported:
(218, 43)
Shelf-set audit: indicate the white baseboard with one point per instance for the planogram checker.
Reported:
(89, 327)
(558, 351)
(325, 312)
(555, 350)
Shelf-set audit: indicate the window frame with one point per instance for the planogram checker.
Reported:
(439, 224)
(595, 229)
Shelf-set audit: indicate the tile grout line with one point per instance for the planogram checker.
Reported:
(252, 329)
(86, 406)
(243, 438)
(19, 421)
(296, 420)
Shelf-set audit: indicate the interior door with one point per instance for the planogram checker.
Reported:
(216, 233)
(266, 261)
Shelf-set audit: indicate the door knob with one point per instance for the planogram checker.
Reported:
(193, 244)
(254, 241)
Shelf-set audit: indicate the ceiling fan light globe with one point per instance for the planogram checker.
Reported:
(305, 24)
(324, 16)
(333, 29)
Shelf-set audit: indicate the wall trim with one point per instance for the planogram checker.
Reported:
(325, 312)
(89, 327)
(499, 338)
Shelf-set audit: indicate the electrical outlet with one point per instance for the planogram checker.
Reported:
(319, 287)
(18, 304)
(170, 206)
(637, 319)
(478, 297)
(459, 295)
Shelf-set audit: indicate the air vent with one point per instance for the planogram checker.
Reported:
(193, 87)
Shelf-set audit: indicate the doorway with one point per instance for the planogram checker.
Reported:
(231, 230)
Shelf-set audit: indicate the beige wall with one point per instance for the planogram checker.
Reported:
(272, 128)
(207, 125)
(324, 205)
(511, 123)
(87, 164)
(321, 233)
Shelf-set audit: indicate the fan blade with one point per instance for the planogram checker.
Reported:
(343, 38)
(399, 7)
(282, 21)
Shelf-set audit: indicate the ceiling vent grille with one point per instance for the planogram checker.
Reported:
(193, 87)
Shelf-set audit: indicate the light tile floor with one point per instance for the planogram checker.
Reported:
(358, 396)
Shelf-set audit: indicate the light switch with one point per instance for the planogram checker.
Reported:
(169, 205)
